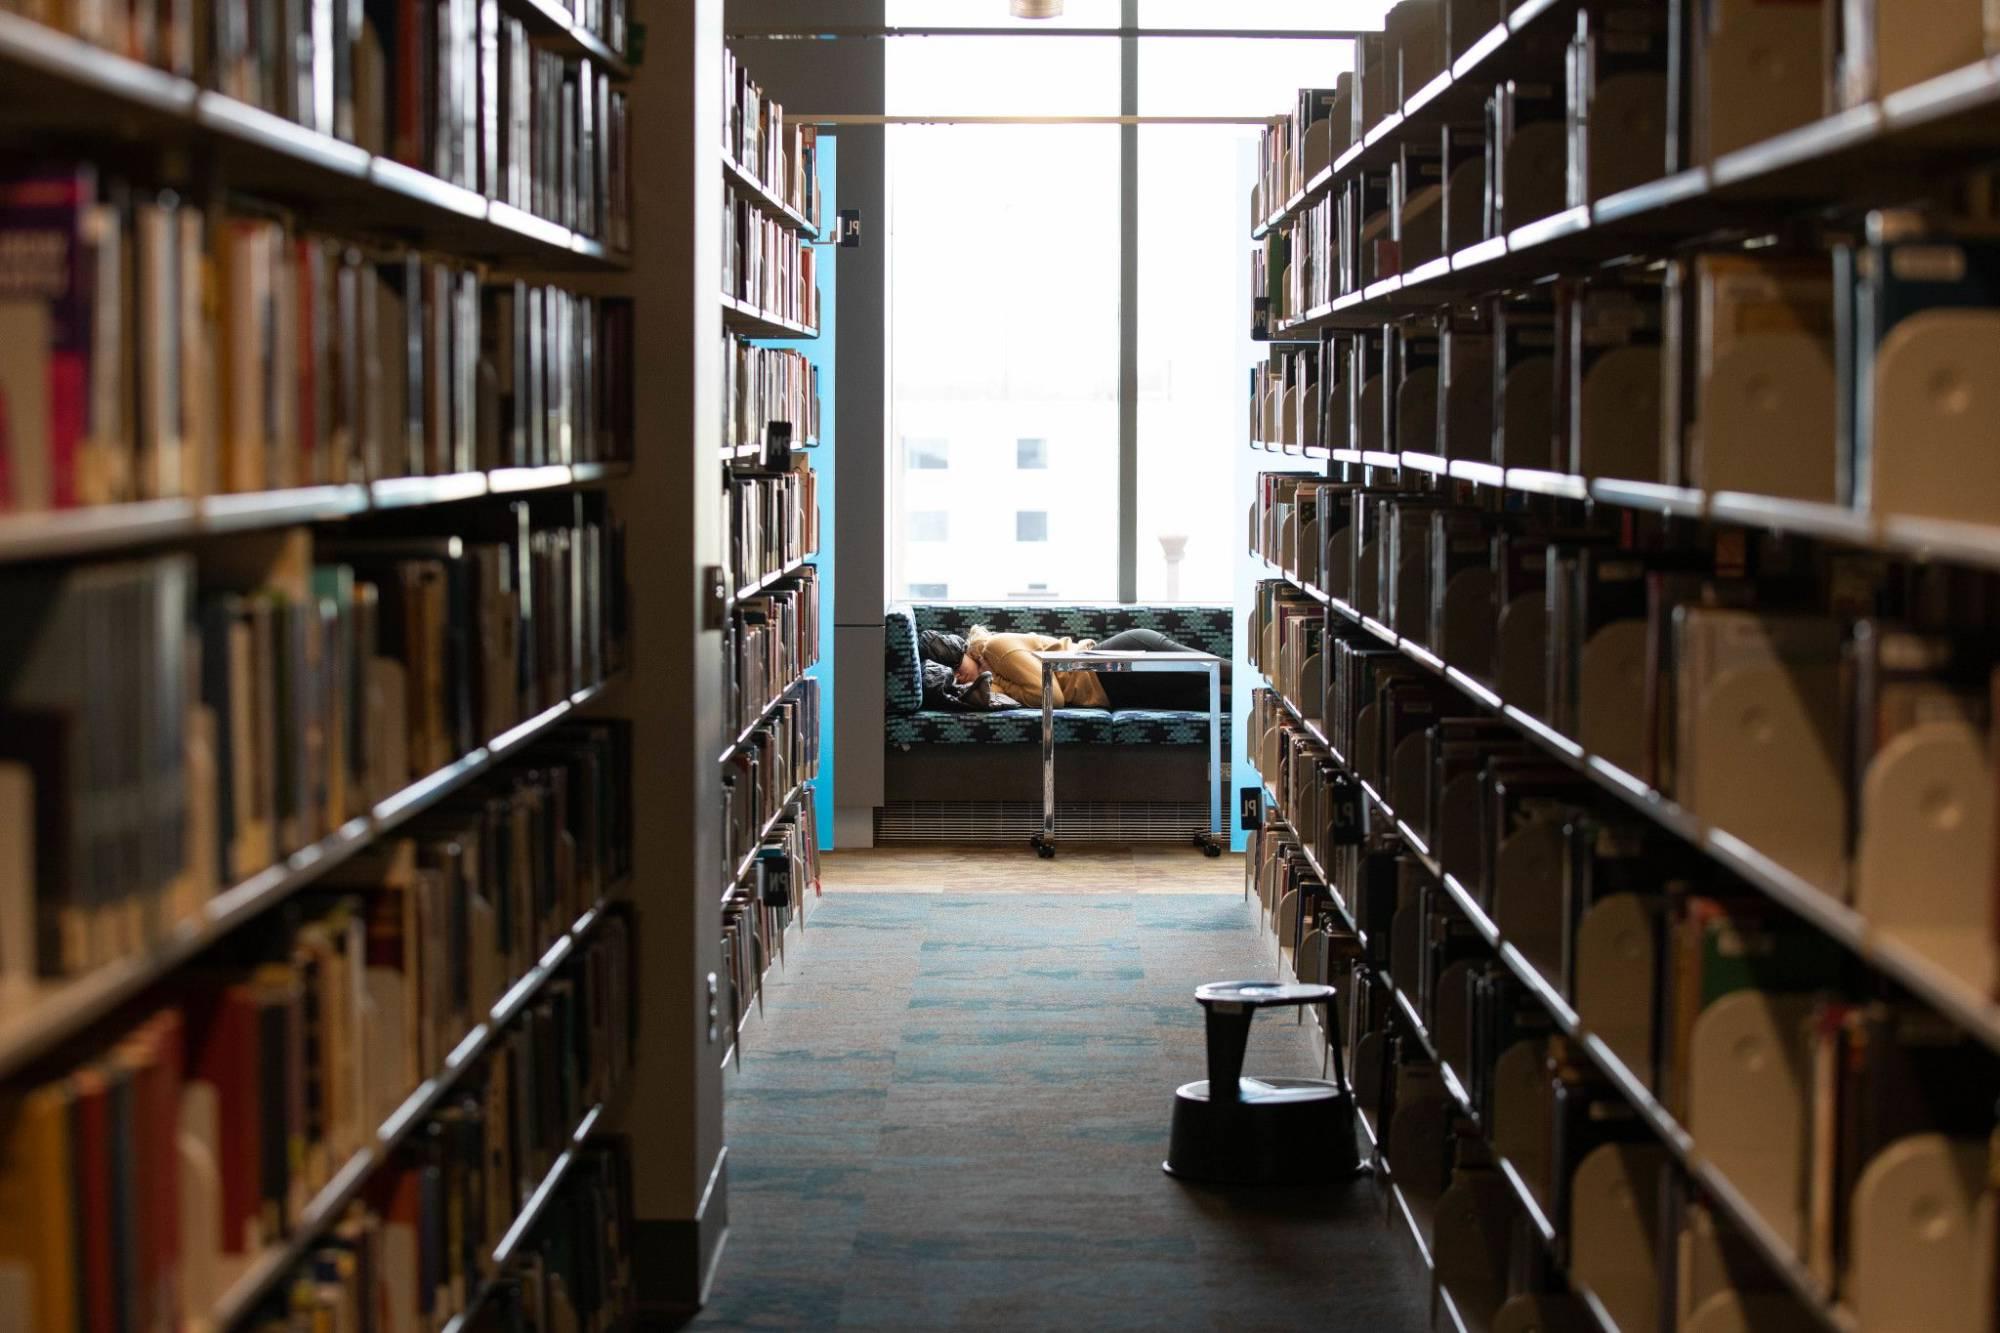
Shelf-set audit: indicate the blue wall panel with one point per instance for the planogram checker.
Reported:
(819, 351)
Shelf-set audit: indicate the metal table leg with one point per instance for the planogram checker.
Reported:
(1044, 843)
(1211, 840)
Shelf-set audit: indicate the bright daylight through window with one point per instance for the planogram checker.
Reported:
(1004, 332)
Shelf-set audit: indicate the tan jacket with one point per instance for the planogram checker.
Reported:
(1017, 672)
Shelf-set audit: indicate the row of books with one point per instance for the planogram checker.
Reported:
(771, 396)
(782, 156)
(455, 88)
(553, 137)
(1270, 276)
(1459, 1164)
(1683, 83)
(762, 774)
(1871, 682)
(265, 694)
(1284, 396)
(1797, 372)
(574, 1276)
(773, 520)
(766, 264)
(760, 907)
(1293, 150)
(1819, 1102)
(152, 350)
(578, 1277)
(155, 1165)
(417, 1249)
(773, 640)
(554, 377)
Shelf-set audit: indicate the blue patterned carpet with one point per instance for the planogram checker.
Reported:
(952, 1115)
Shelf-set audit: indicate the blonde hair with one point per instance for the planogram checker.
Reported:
(976, 640)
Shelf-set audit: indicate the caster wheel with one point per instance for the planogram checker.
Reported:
(1044, 849)
(1209, 849)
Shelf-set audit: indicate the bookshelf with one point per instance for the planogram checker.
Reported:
(771, 739)
(280, 160)
(240, 1299)
(1462, 488)
(330, 563)
(138, 524)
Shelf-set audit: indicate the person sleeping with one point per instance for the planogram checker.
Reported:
(1010, 658)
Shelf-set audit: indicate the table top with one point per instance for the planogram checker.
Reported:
(1122, 661)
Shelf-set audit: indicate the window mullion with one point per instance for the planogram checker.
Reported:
(1128, 310)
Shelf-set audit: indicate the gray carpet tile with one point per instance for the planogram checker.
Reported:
(952, 1115)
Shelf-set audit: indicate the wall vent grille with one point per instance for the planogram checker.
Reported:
(1017, 821)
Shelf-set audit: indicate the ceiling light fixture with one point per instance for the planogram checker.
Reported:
(1036, 9)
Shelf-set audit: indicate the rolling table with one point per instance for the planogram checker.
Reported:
(1209, 840)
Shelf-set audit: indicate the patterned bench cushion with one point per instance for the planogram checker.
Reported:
(938, 727)
(1152, 726)
(906, 672)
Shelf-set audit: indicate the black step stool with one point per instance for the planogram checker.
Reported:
(1229, 1129)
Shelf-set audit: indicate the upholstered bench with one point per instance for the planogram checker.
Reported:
(1122, 755)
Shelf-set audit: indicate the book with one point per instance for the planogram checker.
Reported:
(104, 740)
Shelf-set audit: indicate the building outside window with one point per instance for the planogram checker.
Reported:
(929, 525)
(926, 455)
(1031, 525)
(1031, 454)
(928, 592)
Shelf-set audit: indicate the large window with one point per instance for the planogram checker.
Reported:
(1004, 307)
(1005, 250)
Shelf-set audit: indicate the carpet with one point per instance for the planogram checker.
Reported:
(952, 1115)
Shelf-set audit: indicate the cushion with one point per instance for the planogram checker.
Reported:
(937, 727)
(1128, 726)
(1155, 726)
(905, 670)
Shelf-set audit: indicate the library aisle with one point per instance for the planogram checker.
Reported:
(953, 1112)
